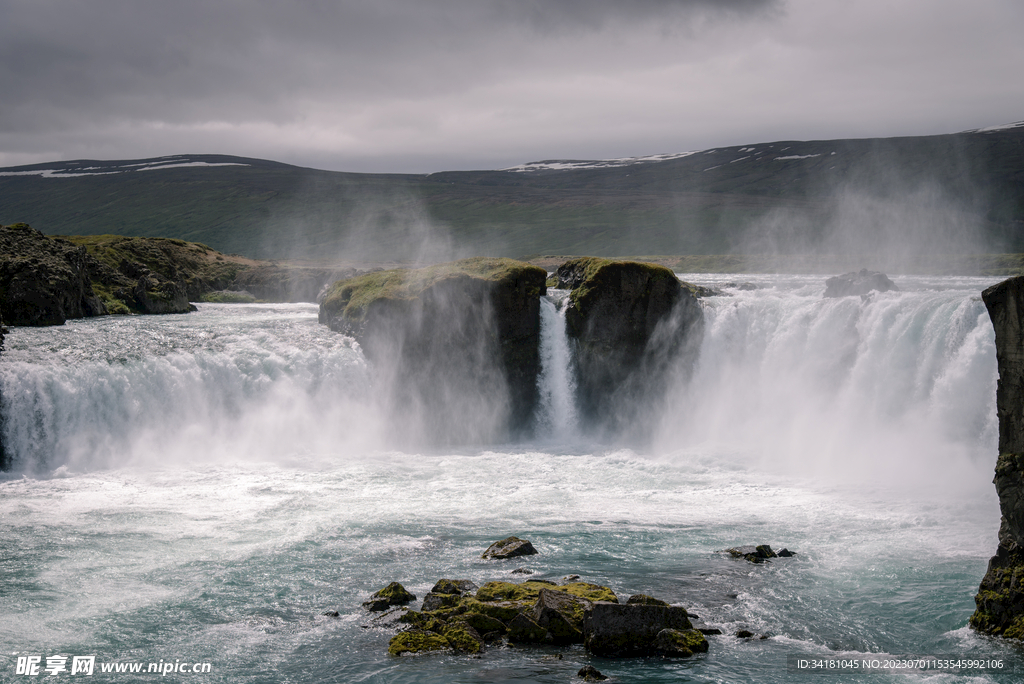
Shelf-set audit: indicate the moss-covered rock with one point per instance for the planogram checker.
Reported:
(392, 595)
(456, 346)
(524, 629)
(450, 586)
(463, 637)
(630, 630)
(679, 643)
(631, 322)
(510, 591)
(416, 641)
(43, 281)
(1000, 598)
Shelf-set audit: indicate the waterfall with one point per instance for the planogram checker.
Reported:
(557, 408)
(896, 385)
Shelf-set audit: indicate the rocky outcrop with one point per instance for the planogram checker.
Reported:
(631, 322)
(861, 282)
(455, 347)
(1000, 598)
(510, 547)
(43, 281)
(542, 612)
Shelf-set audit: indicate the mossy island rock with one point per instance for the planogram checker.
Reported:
(510, 547)
(861, 282)
(631, 323)
(1000, 598)
(535, 611)
(455, 346)
(392, 595)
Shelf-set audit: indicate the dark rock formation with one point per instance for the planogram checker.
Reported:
(680, 643)
(755, 554)
(43, 281)
(644, 600)
(589, 673)
(860, 282)
(456, 346)
(447, 593)
(619, 630)
(510, 547)
(1000, 598)
(561, 615)
(392, 595)
(630, 322)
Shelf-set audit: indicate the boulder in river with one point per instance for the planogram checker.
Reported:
(392, 595)
(618, 630)
(861, 282)
(510, 547)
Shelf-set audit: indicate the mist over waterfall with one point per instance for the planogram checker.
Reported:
(888, 386)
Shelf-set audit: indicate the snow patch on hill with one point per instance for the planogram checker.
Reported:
(75, 170)
(575, 165)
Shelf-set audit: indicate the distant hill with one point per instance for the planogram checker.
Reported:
(893, 198)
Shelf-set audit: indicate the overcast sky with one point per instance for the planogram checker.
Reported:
(430, 85)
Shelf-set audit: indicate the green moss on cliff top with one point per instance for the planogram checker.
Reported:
(353, 296)
(591, 275)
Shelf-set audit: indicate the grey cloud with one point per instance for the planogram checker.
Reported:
(430, 84)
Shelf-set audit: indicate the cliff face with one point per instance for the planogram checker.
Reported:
(455, 348)
(43, 281)
(1000, 599)
(630, 322)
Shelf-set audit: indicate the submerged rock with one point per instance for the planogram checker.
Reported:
(589, 673)
(755, 554)
(631, 322)
(510, 547)
(456, 346)
(858, 283)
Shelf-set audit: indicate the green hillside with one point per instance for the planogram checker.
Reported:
(900, 197)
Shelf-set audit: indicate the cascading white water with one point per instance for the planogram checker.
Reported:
(897, 386)
(156, 390)
(557, 388)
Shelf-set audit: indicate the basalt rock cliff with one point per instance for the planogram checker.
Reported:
(43, 281)
(1000, 598)
(455, 348)
(630, 323)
